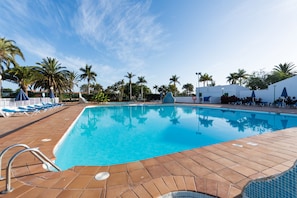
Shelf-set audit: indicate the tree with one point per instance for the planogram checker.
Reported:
(84, 88)
(285, 70)
(205, 78)
(232, 78)
(188, 87)
(73, 80)
(130, 76)
(257, 80)
(116, 90)
(280, 72)
(242, 76)
(119, 88)
(24, 76)
(141, 81)
(51, 74)
(212, 83)
(88, 74)
(97, 88)
(8, 52)
(163, 89)
(155, 87)
(174, 80)
(101, 97)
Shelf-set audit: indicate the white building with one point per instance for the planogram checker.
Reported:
(268, 95)
(213, 94)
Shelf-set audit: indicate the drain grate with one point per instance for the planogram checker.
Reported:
(102, 176)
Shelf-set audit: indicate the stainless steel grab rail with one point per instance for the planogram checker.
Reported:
(34, 151)
(5, 150)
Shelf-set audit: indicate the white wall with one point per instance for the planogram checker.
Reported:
(218, 91)
(189, 99)
(275, 90)
(10, 102)
(269, 95)
(186, 99)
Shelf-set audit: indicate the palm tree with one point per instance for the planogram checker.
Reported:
(163, 89)
(285, 70)
(8, 52)
(188, 87)
(232, 78)
(24, 76)
(88, 74)
(141, 81)
(205, 78)
(119, 89)
(174, 80)
(155, 87)
(51, 75)
(130, 76)
(83, 88)
(97, 88)
(73, 80)
(242, 76)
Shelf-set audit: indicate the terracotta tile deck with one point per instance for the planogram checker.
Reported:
(221, 170)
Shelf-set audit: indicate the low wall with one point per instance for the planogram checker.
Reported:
(185, 100)
(10, 102)
(189, 99)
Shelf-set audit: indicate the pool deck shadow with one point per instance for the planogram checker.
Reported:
(221, 170)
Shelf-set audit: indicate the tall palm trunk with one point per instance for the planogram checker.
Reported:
(141, 92)
(130, 90)
(89, 87)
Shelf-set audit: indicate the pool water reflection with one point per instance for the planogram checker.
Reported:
(108, 135)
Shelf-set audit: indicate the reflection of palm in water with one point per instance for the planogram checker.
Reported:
(171, 113)
(90, 126)
(125, 116)
(175, 120)
(205, 121)
(239, 120)
(252, 122)
(128, 113)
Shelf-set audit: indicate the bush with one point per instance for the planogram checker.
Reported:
(150, 97)
(100, 97)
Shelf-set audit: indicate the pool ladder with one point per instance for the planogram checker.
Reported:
(34, 151)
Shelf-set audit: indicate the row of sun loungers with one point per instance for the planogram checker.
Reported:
(28, 110)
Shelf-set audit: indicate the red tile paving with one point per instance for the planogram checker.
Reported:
(221, 170)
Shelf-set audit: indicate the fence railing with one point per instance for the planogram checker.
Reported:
(11, 102)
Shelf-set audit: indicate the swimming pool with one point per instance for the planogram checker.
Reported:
(108, 135)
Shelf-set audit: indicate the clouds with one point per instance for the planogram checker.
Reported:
(124, 28)
(118, 33)
(154, 38)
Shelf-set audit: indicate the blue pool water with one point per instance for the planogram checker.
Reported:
(108, 135)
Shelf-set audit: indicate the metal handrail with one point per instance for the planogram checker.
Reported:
(13, 146)
(4, 151)
(35, 152)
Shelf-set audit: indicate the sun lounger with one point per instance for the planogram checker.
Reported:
(9, 111)
(29, 109)
(2, 113)
(52, 105)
